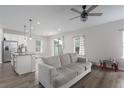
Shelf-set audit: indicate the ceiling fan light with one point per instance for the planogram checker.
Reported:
(84, 19)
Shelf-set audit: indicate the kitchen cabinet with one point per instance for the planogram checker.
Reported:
(24, 62)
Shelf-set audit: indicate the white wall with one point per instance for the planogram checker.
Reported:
(31, 44)
(102, 42)
(1, 38)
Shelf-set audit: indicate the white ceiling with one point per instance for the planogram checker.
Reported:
(54, 17)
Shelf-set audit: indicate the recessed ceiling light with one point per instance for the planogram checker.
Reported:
(26, 31)
(59, 29)
(38, 22)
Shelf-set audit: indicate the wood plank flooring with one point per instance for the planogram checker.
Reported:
(96, 79)
(101, 79)
(9, 79)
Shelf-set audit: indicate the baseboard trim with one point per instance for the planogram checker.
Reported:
(122, 69)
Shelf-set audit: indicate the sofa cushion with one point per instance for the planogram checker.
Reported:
(53, 61)
(65, 59)
(80, 59)
(87, 64)
(63, 77)
(54, 72)
(78, 68)
(74, 57)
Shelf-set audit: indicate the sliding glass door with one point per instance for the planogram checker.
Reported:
(58, 46)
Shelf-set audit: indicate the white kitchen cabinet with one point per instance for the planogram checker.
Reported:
(23, 64)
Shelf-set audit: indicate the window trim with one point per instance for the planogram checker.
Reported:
(41, 46)
(79, 37)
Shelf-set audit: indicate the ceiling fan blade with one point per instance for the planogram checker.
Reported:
(91, 8)
(95, 14)
(74, 17)
(75, 10)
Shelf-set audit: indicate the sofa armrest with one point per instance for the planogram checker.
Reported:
(82, 60)
(45, 74)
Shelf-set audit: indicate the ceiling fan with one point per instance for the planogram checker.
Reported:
(85, 13)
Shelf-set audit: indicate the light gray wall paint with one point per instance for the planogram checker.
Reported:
(102, 42)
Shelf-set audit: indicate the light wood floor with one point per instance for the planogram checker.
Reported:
(96, 79)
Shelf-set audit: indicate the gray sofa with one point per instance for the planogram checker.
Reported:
(62, 71)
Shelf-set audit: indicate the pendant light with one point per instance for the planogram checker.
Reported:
(30, 24)
(24, 32)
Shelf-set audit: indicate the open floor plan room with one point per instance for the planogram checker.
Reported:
(61, 46)
(96, 79)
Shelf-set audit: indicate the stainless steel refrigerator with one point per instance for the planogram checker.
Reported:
(9, 47)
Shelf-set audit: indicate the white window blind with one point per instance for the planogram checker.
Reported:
(79, 45)
(81, 49)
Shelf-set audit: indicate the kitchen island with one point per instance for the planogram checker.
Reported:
(23, 62)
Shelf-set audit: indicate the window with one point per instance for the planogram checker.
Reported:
(79, 45)
(123, 44)
(76, 45)
(39, 46)
(58, 46)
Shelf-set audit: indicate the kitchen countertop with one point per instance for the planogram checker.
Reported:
(24, 54)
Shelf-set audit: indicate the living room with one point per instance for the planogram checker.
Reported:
(62, 46)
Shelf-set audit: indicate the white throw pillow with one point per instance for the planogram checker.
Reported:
(74, 57)
(65, 59)
(53, 61)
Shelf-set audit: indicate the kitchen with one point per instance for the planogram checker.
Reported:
(21, 51)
